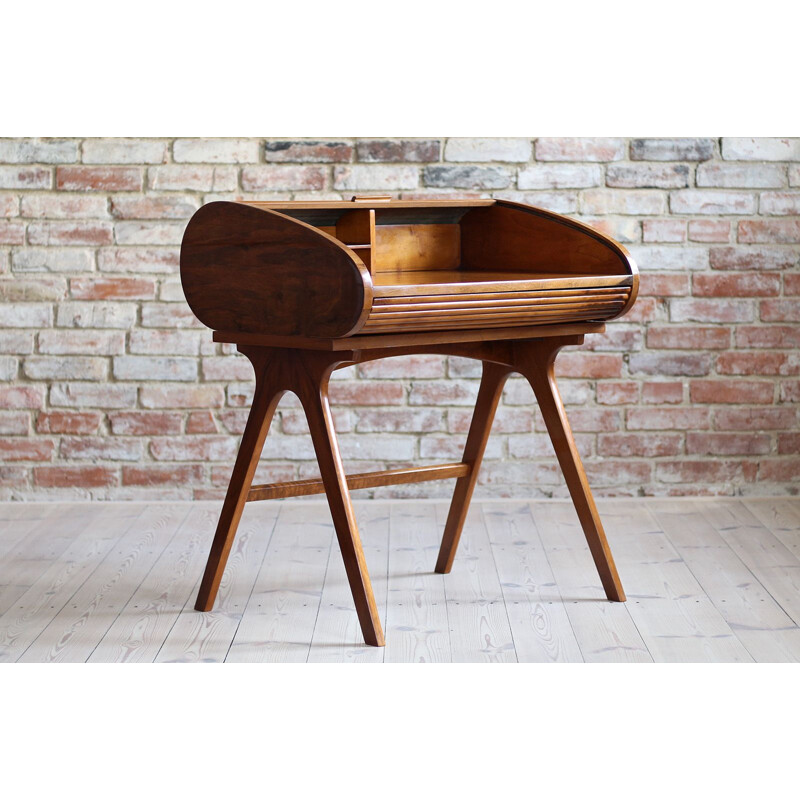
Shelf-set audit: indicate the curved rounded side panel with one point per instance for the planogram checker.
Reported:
(252, 270)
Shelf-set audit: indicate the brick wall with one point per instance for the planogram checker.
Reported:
(109, 388)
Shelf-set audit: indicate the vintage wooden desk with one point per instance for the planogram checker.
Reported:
(304, 288)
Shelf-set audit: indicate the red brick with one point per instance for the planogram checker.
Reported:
(366, 393)
(688, 337)
(728, 391)
(618, 473)
(234, 420)
(69, 476)
(783, 231)
(309, 151)
(99, 179)
(658, 419)
(70, 233)
(162, 475)
(758, 419)
(660, 392)
(99, 447)
(68, 422)
(663, 230)
(112, 288)
(648, 445)
(773, 337)
(789, 443)
(145, 423)
(617, 393)
(704, 472)
(737, 363)
(791, 283)
(728, 444)
(779, 470)
(709, 230)
(21, 396)
(662, 286)
(752, 258)
(201, 422)
(617, 337)
(279, 178)
(644, 310)
(589, 365)
(742, 284)
(780, 310)
(26, 449)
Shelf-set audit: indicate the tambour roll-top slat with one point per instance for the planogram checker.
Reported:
(333, 270)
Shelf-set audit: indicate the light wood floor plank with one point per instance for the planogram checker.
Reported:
(743, 602)
(773, 564)
(140, 629)
(781, 516)
(605, 631)
(76, 630)
(207, 636)
(100, 528)
(278, 622)
(337, 634)
(417, 627)
(479, 625)
(539, 621)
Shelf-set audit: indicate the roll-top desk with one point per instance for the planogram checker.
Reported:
(304, 288)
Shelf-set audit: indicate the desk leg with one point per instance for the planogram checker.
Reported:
(314, 397)
(492, 381)
(536, 362)
(265, 401)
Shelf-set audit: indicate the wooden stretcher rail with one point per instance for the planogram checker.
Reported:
(361, 480)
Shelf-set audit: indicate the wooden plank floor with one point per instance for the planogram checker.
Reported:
(711, 580)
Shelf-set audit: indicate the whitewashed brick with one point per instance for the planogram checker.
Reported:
(149, 232)
(487, 150)
(155, 342)
(64, 206)
(760, 149)
(171, 291)
(607, 201)
(216, 151)
(794, 175)
(81, 342)
(93, 395)
(82, 368)
(39, 151)
(8, 368)
(147, 368)
(647, 176)
(138, 259)
(52, 259)
(741, 176)
(176, 177)
(9, 205)
(359, 177)
(124, 151)
(780, 203)
(25, 178)
(623, 229)
(96, 315)
(696, 201)
(276, 177)
(559, 202)
(681, 257)
(26, 315)
(560, 176)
